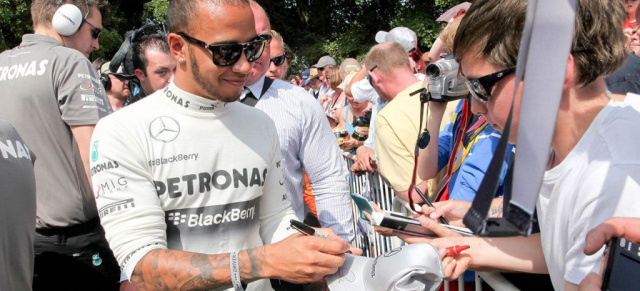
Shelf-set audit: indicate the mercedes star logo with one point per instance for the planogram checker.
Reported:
(164, 129)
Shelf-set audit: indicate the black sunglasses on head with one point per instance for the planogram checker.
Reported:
(480, 88)
(278, 61)
(227, 54)
(95, 32)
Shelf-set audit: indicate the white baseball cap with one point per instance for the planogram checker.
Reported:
(402, 35)
(410, 267)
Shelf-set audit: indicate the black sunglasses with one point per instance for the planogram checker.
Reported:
(480, 88)
(369, 76)
(227, 54)
(266, 37)
(95, 32)
(278, 61)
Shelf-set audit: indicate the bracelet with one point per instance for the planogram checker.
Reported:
(235, 272)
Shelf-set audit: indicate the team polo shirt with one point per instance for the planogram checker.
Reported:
(46, 88)
(17, 211)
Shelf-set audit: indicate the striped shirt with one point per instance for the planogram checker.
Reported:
(307, 143)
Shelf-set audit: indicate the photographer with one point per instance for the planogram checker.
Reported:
(465, 146)
(145, 54)
(593, 169)
(397, 125)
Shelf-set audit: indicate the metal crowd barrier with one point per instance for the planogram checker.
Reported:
(374, 188)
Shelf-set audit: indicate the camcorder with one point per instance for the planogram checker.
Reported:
(623, 266)
(124, 55)
(443, 83)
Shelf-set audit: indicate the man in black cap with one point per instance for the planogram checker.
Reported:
(116, 85)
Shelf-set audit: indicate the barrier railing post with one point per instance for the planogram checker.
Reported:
(373, 187)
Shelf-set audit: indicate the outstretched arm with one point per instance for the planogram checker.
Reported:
(428, 166)
(297, 259)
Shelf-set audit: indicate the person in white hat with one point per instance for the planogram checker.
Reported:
(409, 41)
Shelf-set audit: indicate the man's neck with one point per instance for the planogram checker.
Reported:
(577, 112)
(48, 31)
(401, 80)
(247, 84)
(116, 104)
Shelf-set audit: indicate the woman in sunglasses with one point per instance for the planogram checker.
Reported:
(336, 100)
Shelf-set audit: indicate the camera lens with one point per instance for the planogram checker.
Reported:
(433, 70)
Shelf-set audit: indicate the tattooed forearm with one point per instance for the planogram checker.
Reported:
(252, 266)
(201, 262)
(496, 210)
(178, 270)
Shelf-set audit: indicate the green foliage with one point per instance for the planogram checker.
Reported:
(156, 9)
(422, 24)
(312, 28)
(111, 37)
(354, 43)
(15, 20)
(110, 41)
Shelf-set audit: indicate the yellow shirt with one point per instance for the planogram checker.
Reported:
(397, 129)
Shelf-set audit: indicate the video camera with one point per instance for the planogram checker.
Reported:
(124, 55)
(443, 82)
(362, 121)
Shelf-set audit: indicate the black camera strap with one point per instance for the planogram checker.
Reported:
(549, 24)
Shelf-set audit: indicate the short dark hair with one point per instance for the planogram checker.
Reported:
(140, 49)
(493, 29)
(181, 12)
(42, 10)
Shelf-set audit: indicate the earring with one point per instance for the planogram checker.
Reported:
(181, 60)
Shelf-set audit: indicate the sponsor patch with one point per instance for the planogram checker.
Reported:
(204, 223)
(14, 149)
(164, 129)
(115, 207)
(110, 186)
(203, 182)
(94, 151)
(108, 165)
(173, 159)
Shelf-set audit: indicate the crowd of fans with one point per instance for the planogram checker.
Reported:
(179, 162)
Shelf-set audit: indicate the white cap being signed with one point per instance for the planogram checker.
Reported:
(410, 267)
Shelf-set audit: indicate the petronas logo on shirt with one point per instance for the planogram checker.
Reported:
(94, 151)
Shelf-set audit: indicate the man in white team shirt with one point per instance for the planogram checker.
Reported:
(189, 183)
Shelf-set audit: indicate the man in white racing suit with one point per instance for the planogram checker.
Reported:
(189, 183)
